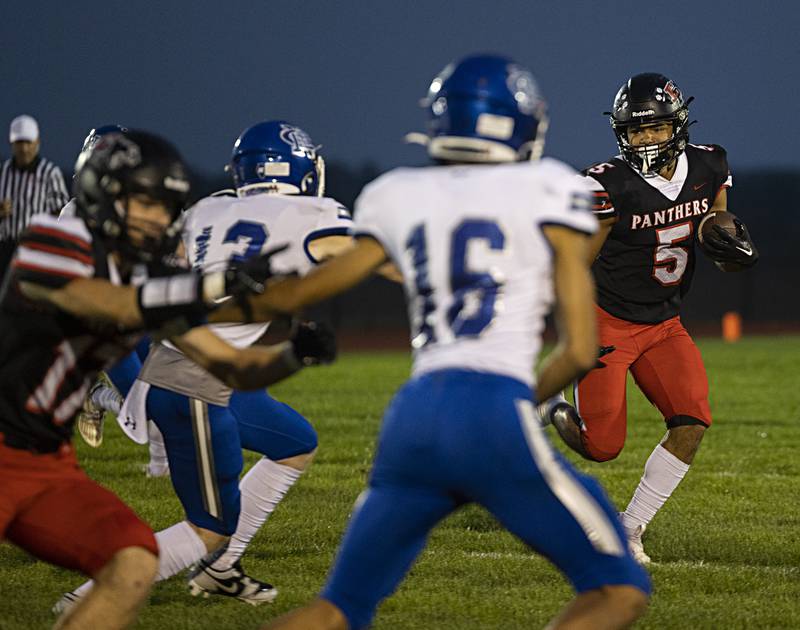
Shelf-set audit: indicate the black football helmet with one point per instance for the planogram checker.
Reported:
(124, 163)
(649, 98)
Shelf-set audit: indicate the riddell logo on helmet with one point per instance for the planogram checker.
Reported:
(646, 112)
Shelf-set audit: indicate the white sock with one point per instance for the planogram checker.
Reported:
(662, 474)
(262, 489)
(179, 547)
(108, 398)
(83, 588)
(158, 452)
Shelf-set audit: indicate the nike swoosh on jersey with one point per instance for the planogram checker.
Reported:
(698, 187)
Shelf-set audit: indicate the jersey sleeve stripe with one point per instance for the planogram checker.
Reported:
(317, 234)
(60, 251)
(73, 225)
(601, 202)
(48, 262)
(34, 240)
(367, 232)
(375, 235)
(62, 234)
(25, 272)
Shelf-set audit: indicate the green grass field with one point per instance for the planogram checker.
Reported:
(726, 548)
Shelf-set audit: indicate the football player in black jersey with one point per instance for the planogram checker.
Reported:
(650, 201)
(67, 312)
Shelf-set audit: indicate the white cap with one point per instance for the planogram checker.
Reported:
(23, 128)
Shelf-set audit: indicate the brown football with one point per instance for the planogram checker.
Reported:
(726, 221)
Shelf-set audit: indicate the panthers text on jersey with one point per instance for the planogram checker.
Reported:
(646, 264)
(48, 357)
(475, 262)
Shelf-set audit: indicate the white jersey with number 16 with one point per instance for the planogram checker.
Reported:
(475, 262)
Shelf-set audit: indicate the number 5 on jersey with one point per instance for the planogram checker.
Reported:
(670, 259)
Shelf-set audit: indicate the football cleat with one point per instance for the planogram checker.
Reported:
(230, 582)
(67, 601)
(91, 419)
(558, 408)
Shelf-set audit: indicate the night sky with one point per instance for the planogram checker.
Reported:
(351, 72)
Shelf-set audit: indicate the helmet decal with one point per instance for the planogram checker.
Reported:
(123, 151)
(299, 141)
(672, 90)
(523, 86)
(273, 169)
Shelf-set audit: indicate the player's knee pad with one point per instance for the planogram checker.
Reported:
(684, 421)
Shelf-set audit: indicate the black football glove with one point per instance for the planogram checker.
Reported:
(250, 277)
(241, 280)
(724, 247)
(314, 343)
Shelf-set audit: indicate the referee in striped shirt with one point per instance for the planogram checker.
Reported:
(29, 184)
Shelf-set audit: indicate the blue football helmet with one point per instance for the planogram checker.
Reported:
(484, 108)
(276, 156)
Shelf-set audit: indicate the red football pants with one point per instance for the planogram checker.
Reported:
(667, 367)
(50, 508)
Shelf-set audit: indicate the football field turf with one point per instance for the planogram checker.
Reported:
(726, 547)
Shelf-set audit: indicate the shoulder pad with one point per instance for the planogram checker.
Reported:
(715, 156)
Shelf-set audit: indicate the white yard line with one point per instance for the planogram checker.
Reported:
(707, 473)
(678, 564)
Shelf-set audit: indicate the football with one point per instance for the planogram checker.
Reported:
(726, 221)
